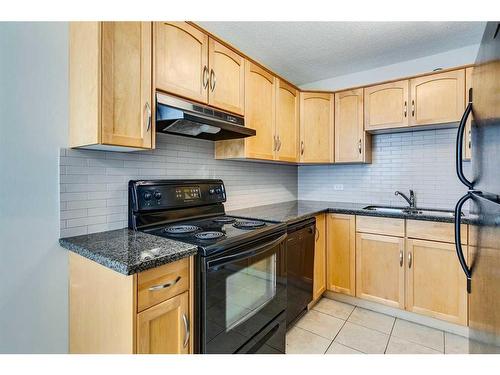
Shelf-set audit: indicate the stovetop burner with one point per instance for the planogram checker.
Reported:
(224, 220)
(248, 224)
(181, 229)
(209, 235)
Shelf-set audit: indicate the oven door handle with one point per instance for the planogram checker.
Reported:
(253, 252)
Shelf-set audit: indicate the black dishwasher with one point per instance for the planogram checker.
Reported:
(300, 268)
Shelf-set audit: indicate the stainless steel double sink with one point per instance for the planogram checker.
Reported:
(410, 211)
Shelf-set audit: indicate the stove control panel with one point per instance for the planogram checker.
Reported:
(164, 194)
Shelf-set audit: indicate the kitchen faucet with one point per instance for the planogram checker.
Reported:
(411, 200)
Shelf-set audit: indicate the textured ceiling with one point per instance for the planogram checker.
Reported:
(304, 52)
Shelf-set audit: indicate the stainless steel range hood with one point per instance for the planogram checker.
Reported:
(181, 117)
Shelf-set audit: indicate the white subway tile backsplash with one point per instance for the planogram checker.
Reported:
(94, 194)
(422, 160)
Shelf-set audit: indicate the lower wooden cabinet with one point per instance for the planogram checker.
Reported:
(341, 250)
(164, 328)
(380, 271)
(319, 281)
(435, 283)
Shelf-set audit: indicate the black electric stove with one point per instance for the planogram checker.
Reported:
(240, 269)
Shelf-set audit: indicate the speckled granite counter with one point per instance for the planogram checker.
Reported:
(294, 211)
(127, 251)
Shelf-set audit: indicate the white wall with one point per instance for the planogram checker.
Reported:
(33, 123)
(448, 59)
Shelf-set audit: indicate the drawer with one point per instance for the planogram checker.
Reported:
(159, 284)
(380, 225)
(434, 231)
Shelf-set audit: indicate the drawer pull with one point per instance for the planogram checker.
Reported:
(166, 285)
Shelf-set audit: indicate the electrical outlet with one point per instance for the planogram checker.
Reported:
(338, 187)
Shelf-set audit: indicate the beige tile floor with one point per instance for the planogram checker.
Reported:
(333, 327)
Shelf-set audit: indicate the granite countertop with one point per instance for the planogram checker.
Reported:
(294, 211)
(127, 251)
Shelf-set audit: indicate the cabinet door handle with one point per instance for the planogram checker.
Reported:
(166, 285)
(148, 111)
(302, 147)
(274, 143)
(401, 258)
(205, 77)
(406, 108)
(413, 108)
(186, 330)
(279, 143)
(213, 80)
(359, 146)
(409, 260)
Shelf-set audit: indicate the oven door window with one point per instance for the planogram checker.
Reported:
(249, 287)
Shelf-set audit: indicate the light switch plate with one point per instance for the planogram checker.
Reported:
(338, 187)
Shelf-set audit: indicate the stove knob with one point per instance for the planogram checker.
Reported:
(211, 191)
(147, 196)
(157, 195)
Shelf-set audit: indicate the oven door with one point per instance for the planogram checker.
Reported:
(243, 297)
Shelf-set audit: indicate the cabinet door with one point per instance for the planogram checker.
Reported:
(226, 78)
(164, 328)
(380, 269)
(350, 140)
(287, 122)
(259, 111)
(319, 282)
(316, 127)
(126, 108)
(386, 105)
(341, 254)
(436, 285)
(437, 98)
(181, 52)
(468, 127)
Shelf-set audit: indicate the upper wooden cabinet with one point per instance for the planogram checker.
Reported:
(260, 105)
(316, 127)
(437, 98)
(352, 144)
(181, 53)
(386, 105)
(226, 79)
(341, 254)
(110, 85)
(468, 127)
(287, 122)
(192, 65)
(319, 281)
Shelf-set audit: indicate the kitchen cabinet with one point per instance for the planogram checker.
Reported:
(380, 271)
(287, 122)
(352, 144)
(341, 254)
(181, 53)
(319, 281)
(435, 285)
(192, 65)
(386, 105)
(226, 79)
(467, 152)
(148, 312)
(260, 114)
(437, 98)
(316, 127)
(110, 85)
(164, 328)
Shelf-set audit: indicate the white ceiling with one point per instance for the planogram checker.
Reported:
(304, 52)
